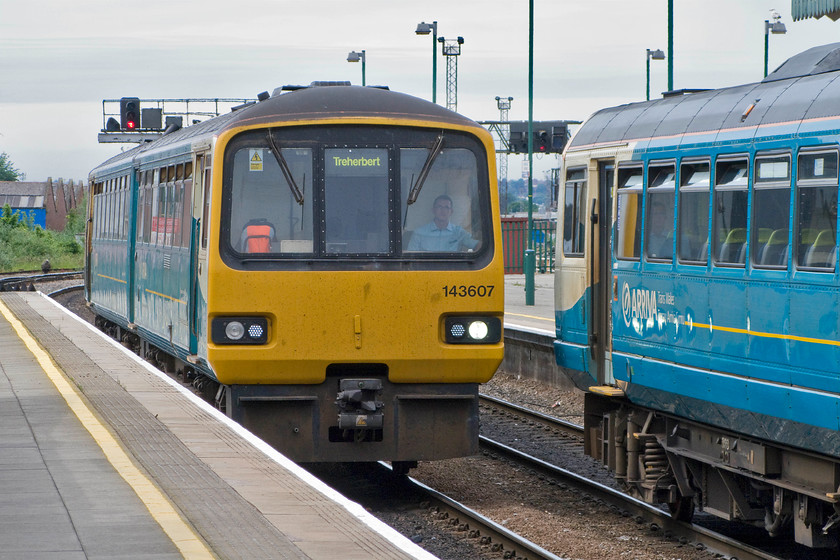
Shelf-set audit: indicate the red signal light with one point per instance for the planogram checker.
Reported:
(129, 113)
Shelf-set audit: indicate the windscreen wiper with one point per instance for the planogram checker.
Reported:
(284, 168)
(424, 171)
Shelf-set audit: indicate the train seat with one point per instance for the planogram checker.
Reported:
(775, 252)
(823, 252)
(731, 250)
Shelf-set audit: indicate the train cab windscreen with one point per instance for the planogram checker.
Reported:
(355, 192)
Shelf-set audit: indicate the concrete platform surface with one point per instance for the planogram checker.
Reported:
(538, 317)
(102, 456)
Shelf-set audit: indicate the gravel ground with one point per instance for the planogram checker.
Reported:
(560, 520)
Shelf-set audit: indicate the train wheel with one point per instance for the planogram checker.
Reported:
(682, 509)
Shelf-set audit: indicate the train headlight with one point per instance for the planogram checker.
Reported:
(472, 330)
(234, 330)
(239, 330)
(478, 330)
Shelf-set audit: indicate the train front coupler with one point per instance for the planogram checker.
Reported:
(358, 408)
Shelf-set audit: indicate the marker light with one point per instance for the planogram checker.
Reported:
(239, 330)
(457, 330)
(472, 330)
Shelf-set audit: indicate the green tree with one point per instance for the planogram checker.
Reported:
(8, 172)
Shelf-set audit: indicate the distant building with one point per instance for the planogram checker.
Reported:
(47, 202)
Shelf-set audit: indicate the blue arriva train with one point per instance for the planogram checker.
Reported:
(325, 265)
(697, 297)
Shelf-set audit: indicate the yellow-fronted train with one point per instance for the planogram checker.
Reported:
(324, 264)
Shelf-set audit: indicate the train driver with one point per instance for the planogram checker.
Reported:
(257, 236)
(440, 235)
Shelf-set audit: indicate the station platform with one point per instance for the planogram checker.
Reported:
(102, 456)
(537, 318)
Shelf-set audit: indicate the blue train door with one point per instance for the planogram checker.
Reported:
(600, 326)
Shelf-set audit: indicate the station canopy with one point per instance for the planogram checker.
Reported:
(804, 9)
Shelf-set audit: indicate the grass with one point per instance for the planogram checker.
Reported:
(24, 246)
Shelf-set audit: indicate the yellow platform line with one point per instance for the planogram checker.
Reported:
(529, 316)
(188, 542)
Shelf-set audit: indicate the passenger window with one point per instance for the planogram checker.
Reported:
(629, 220)
(659, 221)
(730, 211)
(208, 197)
(771, 212)
(693, 222)
(574, 215)
(816, 215)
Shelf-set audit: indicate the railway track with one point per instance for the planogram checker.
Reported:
(26, 281)
(488, 533)
(686, 533)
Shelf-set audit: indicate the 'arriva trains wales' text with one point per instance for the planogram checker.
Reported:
(638, 304)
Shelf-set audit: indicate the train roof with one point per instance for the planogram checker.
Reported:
(304, 104)
(804, 87)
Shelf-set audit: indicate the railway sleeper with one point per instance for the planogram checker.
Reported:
(691, 466)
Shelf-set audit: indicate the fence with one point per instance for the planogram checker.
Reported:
(514, 239)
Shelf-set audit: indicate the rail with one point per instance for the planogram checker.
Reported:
(497, 536)
(689, 532)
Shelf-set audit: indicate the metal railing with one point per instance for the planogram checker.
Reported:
(514, 239)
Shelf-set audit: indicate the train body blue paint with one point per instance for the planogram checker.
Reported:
(698, 292)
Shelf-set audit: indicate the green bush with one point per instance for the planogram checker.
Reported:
(24, 247)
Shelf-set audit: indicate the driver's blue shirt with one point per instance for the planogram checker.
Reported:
(450, 239)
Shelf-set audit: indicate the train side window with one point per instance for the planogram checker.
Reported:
(629, 219)
(170, 212)
(205, 214)
(659, 221)
(574, 216)
(147, 213)
(816, 212)
(157, 202)
(126, 216)
(729, 234)
(693, 219)
(109, 205)
(141, 202)
(771, 211)
(186, 208)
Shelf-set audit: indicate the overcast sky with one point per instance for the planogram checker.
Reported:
(60, 58)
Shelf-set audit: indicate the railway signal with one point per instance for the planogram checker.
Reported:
(129, 113)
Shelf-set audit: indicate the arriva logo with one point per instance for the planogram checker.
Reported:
(638, 304)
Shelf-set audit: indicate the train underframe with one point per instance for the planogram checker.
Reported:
(690, 466)
(355, 415)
